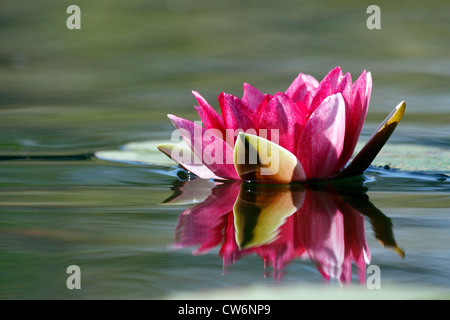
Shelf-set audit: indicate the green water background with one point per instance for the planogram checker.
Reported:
(73, 92)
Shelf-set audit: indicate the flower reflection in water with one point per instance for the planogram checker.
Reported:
(283, 223)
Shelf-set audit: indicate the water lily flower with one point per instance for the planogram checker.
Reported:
(307, 132)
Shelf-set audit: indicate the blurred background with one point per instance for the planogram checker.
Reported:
(133, 62)
(69, 93)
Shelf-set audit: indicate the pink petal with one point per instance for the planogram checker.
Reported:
(209, 146)
(262, 106)
(356, 115)
(185, 158)
(302, 87)
(322, 140)
(282, 114)
(236, 113)
(210, 118)
(252, 96)
(326, 88)
(344, 86)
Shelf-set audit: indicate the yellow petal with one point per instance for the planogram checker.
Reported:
(259, 160)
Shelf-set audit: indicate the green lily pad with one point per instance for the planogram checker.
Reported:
(409, 157)
(405, 157)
